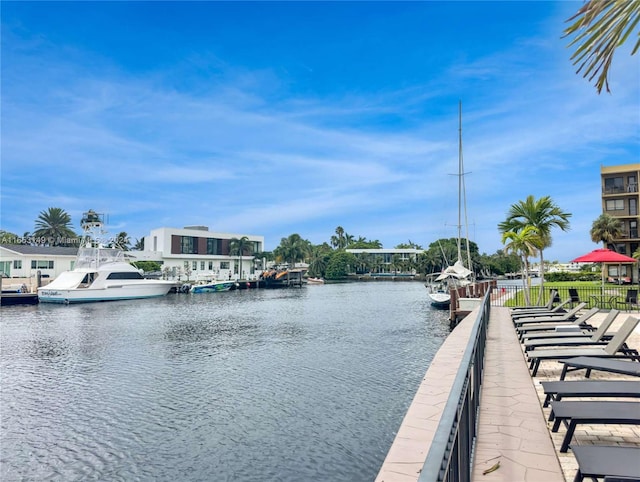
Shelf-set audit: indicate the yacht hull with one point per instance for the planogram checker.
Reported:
(121, 291)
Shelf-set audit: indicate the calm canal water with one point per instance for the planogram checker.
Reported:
(305, 384)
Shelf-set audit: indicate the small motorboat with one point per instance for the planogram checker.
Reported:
(315, 281)
(213, 287)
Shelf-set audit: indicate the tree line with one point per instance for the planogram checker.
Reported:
(53, 227)
(526, 232)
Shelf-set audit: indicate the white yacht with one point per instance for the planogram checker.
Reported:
(100, 274)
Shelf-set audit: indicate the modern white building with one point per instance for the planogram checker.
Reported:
(194, 252)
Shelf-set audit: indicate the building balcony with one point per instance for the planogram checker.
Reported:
(629, 189)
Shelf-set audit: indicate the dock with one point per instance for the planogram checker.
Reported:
(12, 298)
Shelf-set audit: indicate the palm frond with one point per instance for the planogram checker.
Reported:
(600, 26)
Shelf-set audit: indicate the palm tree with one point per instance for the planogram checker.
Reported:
(293, 249)
(339, 240)
(604, 25)
(318, 260)
(139, 246)
(605, 229)
(54, 228)
(543, 214)
(524, 243)
(237, 247)
(123, 241)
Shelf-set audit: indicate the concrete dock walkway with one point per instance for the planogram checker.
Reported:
(512, 429)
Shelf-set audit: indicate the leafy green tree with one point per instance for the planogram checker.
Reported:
(54, 226)
(148, 266)
(319, 259)
(606, 229)
(340, 264)
(409, 245)
(239, 247)
(9, 238)
(603, 26)
(363, 243)
(544, 215)
(525, 243)
(122, 241)
(292, 249)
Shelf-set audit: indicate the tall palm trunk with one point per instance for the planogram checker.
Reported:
(525, 280)
(541, 292)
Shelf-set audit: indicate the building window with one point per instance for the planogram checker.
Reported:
(224, 264)
(633, 207)
(615, 205)
(210, 265)
(201, 265)
(613, 185)
(125, 275)
(194, 265)
(632, 184)
(41, 264)
(620, 248)
(188, 245)
(214, 246)
(633, 229)
(17, 264)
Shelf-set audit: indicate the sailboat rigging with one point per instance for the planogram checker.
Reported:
(458, 274)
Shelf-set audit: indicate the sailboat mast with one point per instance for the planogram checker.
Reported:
(460, 173)
(462, 193)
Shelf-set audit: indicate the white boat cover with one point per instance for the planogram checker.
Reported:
(456, 271)
(67, 280)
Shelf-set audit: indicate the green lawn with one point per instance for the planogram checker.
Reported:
(587, 290)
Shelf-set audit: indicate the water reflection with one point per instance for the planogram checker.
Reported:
(299, 384)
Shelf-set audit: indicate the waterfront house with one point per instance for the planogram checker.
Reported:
(194, 252)
(24, 261)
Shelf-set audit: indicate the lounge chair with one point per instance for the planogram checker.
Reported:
(547, 307)
(554, 317)
(590, 338)
(570, 331)
(616, 344)
(591, 412)
(630, 300)
(576, 325)
(559, 309)
(556, 391)
(574, 296)
(614, 463)
(588, 363)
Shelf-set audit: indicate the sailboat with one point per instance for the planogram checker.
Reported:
(439, 289)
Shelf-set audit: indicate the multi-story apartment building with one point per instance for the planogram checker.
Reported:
(620, 199)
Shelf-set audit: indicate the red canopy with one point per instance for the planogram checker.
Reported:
(604, 256)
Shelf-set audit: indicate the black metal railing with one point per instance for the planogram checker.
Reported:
(450, 457)
(612, 295)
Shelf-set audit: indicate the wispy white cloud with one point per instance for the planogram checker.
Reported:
(231, 148)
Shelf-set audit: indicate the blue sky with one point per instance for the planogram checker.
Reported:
(297, 117)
